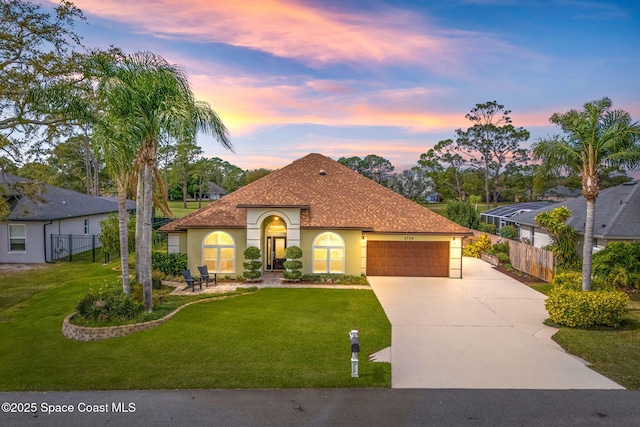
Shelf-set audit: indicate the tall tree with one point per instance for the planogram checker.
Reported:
(491, 143)
(372, 166)
(412, 183)
(592, 139)
(149, 98)
(36, 51)
(444, 165)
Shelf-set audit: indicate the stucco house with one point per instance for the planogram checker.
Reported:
(26, 235)
(342, 221)
(617, 217)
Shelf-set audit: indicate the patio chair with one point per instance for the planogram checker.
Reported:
(204, 275)
(191, 283)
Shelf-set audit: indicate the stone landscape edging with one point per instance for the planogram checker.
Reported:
(86, 333)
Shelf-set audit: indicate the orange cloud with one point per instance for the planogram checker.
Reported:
(293, 29)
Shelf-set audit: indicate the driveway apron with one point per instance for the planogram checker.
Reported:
(483, 331)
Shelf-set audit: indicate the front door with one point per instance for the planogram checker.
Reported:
(275, 252)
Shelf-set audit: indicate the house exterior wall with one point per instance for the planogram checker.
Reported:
(195, 237)
(352, 248)
(35, 237)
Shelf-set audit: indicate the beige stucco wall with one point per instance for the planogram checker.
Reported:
(352, 244)
(196, 236)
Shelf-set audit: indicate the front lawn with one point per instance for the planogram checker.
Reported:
(274, 338)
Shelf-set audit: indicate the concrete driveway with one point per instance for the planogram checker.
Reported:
(483, 331)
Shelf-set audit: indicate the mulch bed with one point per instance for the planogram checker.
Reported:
(522, 278)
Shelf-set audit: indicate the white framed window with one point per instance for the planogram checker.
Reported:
(219, 252)
(86, 226)
(328, 253)
(17, 238)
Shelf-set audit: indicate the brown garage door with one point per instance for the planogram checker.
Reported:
(410, 259)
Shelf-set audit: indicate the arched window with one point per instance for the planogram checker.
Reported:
(219, 252)
(328, 253)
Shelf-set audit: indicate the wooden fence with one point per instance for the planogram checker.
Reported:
(536, 262)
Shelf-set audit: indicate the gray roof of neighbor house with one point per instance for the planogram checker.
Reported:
(617, 212)
(510, 211)
(51, 203)
(215, 189)
(329, 195)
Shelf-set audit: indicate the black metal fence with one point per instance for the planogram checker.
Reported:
(73, 247)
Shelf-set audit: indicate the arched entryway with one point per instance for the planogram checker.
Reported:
(275, 233)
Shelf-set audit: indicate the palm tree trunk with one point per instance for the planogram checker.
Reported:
(145, 246)
(587, 250)
(140, 210)
(123, 220)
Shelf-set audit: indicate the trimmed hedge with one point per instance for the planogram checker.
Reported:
(169, 264)
(569, 305)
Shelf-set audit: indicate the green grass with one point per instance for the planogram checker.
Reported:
(612, 352)
(178, 210)
(274, 338)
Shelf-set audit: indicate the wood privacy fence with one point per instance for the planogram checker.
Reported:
(534, 261)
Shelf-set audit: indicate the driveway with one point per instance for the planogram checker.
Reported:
(483, 331)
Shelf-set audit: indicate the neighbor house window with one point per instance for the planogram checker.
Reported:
(219, 252)
(86, 226)
(328, 253)
(17, 237)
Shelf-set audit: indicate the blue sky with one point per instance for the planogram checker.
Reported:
(351, 78)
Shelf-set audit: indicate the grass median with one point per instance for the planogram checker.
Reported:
(274, 338)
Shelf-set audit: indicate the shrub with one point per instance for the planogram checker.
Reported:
(563, 237)
(252, 268)
(582, 309)
(474, 249)
(618, 264)
(463, 213)
(293, 265)
(501, 247)
(169, 264)
(157, 277)
(572, 280)
(487, 228)
(108, 304)
(509, 232)
(502, 257)
(340, 279)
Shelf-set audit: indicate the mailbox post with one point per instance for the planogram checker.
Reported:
(355, 349)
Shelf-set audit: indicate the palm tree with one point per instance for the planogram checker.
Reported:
(150, 98)
(593, 139)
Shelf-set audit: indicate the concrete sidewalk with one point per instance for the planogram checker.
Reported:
(483, 331)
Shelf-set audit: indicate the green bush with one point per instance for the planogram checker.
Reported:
(501, 247)
(157, 277)
(474, 249)
(169, 264)
(293, 265)
(582, 309)
(502, 257)
(340, 279)
(618, 264)
(463, 213)
(487, 228)
(108, 304)
(509, 232)
(252, 268)
(572, 280)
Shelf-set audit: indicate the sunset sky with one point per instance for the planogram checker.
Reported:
(351, 78)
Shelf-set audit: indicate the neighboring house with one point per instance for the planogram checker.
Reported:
(561, 193)
(433, 197)
(214, 192)
(617, 217)
(342, 221)
(507, 215)
(26, 236)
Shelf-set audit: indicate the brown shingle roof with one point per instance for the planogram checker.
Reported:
(339, 198)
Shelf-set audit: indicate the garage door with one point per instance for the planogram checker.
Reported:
(410, 259)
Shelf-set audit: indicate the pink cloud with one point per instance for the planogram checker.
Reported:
(307, 33)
